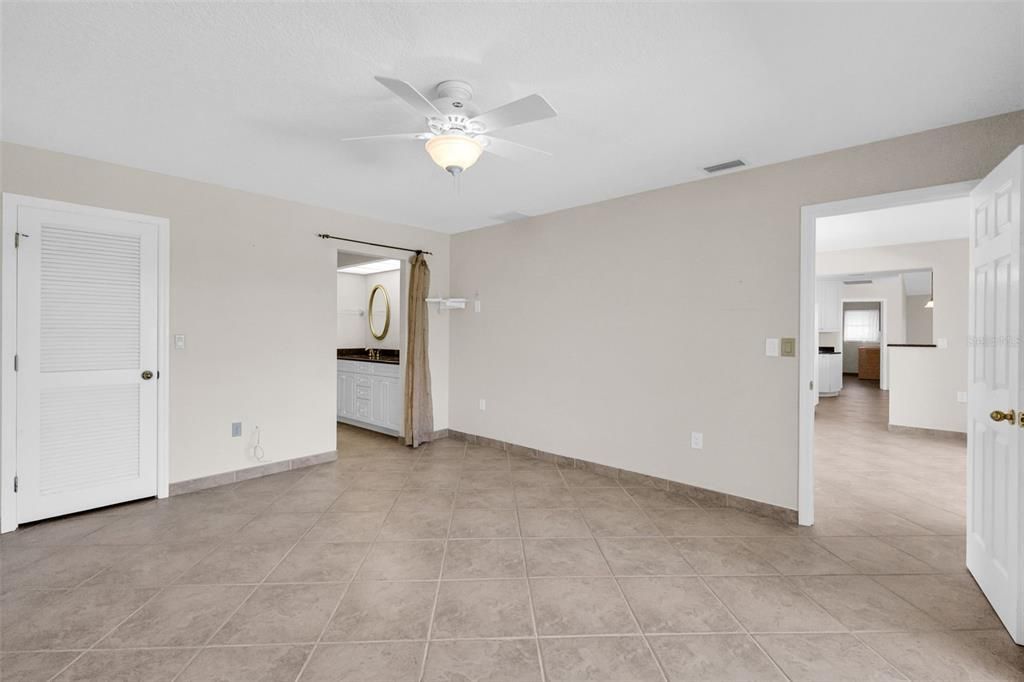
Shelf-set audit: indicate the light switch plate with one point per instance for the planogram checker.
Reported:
(961, 396)
(179, 341)
(236, 429)
(483, 405)
(771, 347)
(697, 440)
(942, 343)
(788, 347)
(476, 306)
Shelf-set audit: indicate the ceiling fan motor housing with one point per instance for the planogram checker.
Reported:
(456, 98)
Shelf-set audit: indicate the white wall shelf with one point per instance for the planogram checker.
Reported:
(448, 303)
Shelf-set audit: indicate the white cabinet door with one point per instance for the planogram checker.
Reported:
(396, 406)
(392, 403)
(379, 397)
(370, 393)
(829, 308)
(836, 369)
(830, 373)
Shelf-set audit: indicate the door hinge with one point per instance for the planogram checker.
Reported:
(15, 362)
(15, 483)
(811, 386)
(17, 239)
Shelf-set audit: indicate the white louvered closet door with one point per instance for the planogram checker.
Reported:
(87, 333)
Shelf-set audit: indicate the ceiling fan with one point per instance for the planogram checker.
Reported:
(457, 133)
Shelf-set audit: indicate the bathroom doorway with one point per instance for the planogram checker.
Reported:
(370, 338)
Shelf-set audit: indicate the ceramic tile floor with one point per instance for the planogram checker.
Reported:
(463, 563)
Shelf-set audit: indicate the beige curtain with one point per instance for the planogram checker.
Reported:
(419, 409)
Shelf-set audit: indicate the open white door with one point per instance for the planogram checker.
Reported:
(87, 361)
(994, 471)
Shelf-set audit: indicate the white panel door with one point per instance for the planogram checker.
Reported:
(87, 341)
(994, 471)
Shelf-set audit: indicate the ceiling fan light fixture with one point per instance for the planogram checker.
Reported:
(454, 153)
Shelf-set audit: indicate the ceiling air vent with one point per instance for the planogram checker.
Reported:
(719, 167)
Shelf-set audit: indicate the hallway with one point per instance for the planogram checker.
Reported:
(870, 481)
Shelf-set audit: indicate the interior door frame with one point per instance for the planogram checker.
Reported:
(382, 253)
(808, 334)
(12, 203)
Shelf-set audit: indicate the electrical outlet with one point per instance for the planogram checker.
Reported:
(697, 440)
(771, 347)
(236, 429)
(941, 343)
(483, 405)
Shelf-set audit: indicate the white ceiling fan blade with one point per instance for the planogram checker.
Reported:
(411, 95)
(525, 110)
(512, 150)
(393, 136)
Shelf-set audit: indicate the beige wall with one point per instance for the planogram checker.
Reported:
(351, 311)
(611, 331)
(919, 319)
(254, 291)
(923, 383)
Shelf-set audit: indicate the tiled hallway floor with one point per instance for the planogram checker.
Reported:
(458, 562)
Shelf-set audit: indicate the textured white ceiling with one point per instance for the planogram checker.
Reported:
(929, 222)
(255, 96)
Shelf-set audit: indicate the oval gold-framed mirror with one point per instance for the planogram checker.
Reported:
(373, 314)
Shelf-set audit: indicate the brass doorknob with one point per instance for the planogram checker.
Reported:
(1000, 416)
(147, 375)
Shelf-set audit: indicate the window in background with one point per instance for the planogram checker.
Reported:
(861, 325)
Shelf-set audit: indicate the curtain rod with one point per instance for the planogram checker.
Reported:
(385, 246)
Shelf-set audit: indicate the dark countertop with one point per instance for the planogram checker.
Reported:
(830, 352)
(911, 345)
(386, 357)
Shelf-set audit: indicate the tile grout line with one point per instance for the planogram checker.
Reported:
(437, 590)
(255, 586)
(707, 587)
(348, 585)
(501, 638)
(158, 591)
(622, 594)
(854, 633)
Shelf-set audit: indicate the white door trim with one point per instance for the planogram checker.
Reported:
(12, 203)
(808, 334)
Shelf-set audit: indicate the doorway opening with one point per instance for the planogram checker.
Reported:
(370, 341)
(888, 251)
